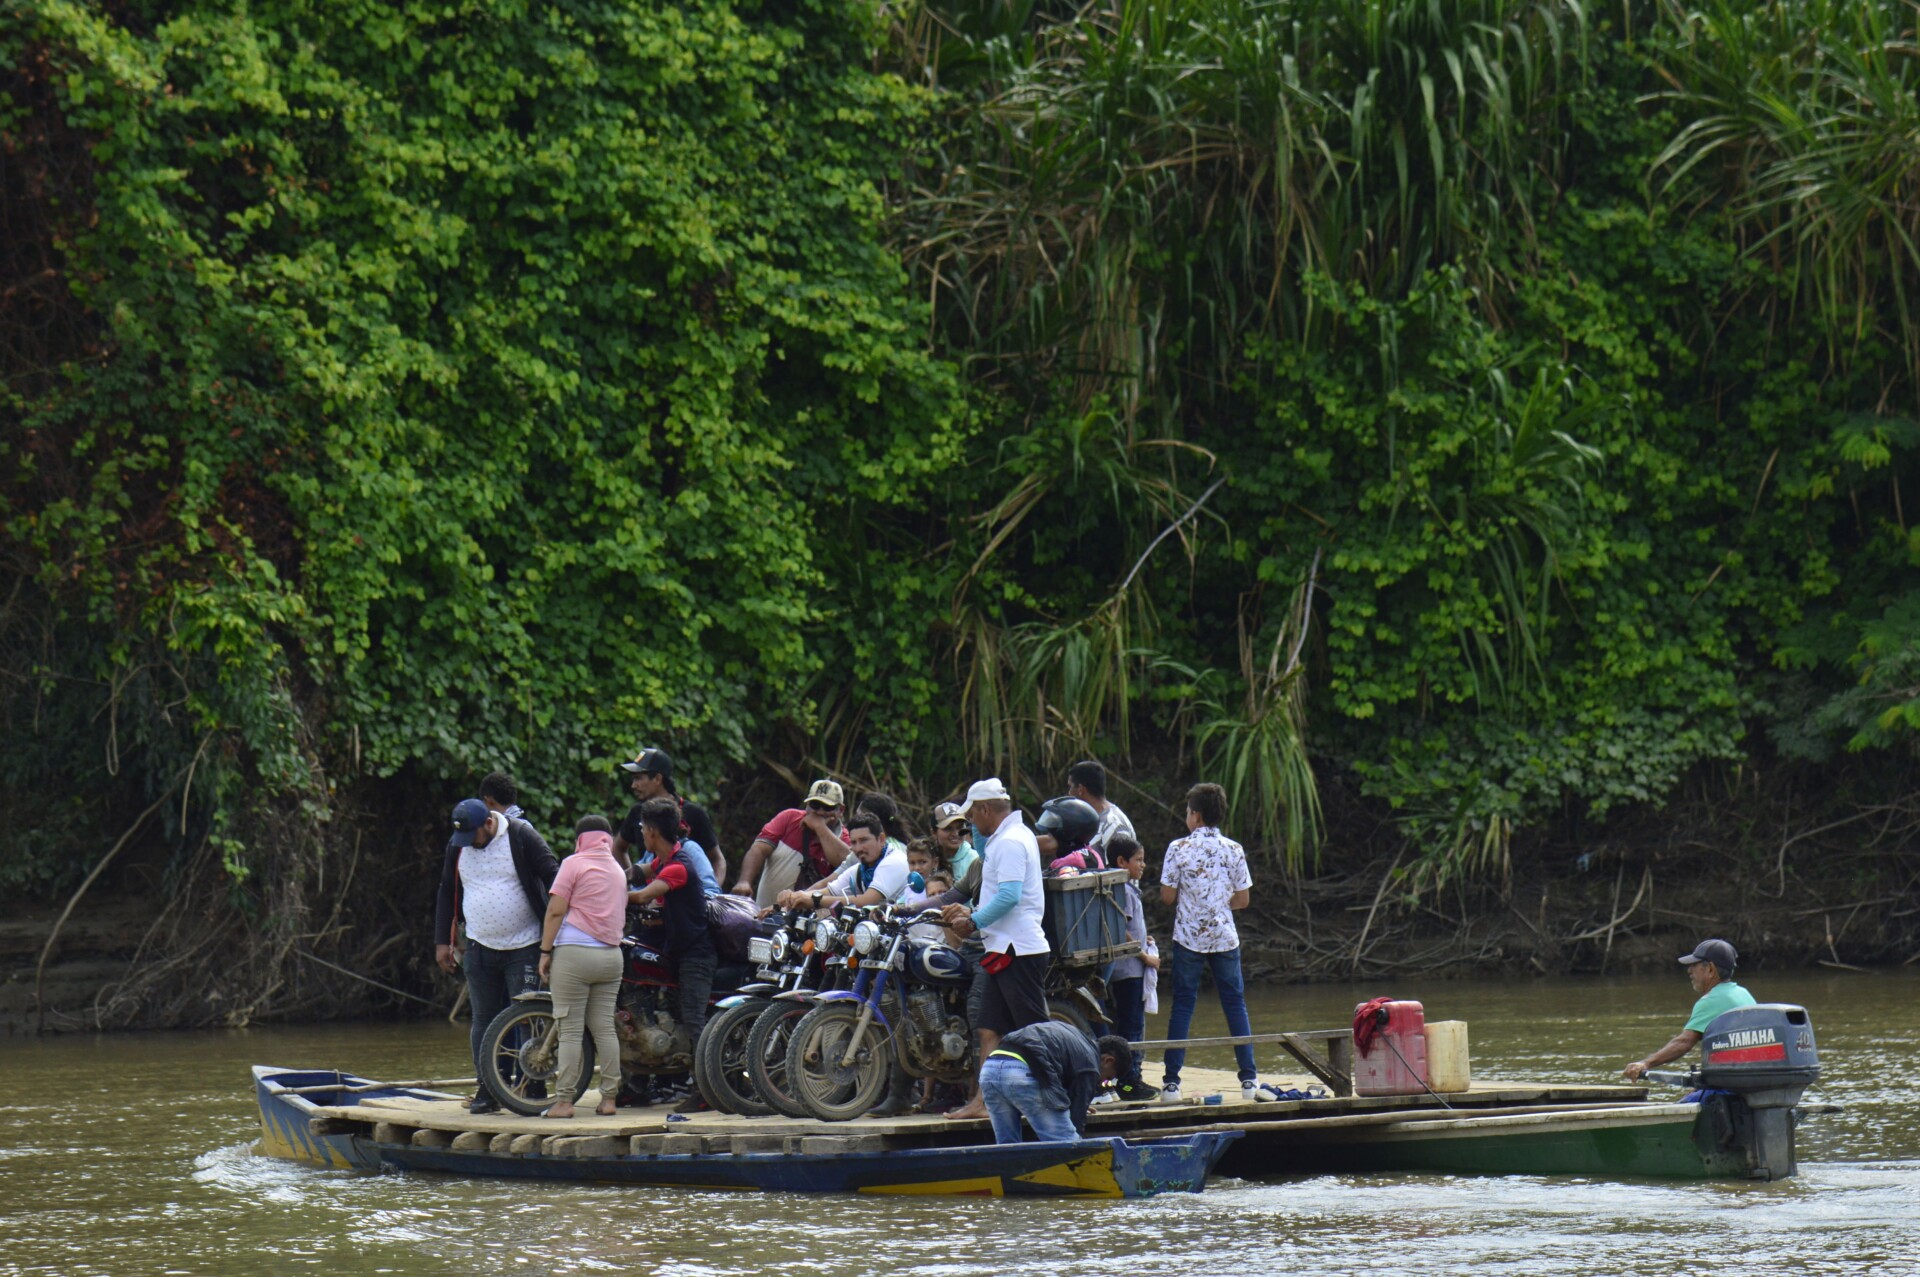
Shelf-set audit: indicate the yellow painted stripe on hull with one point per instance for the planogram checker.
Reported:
(275, 1142)
(1092, 1176)
(986, 1186)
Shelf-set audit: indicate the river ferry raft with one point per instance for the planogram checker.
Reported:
(338, 1121)
(1756, 1064)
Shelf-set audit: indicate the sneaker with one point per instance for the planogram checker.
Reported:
(483, 1103)
(692, 1104)
(1251, 1091)
(1170, 1093)
(1137, 1091)
(1106, 1097)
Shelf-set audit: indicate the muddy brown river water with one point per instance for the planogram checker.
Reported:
(129, 1155)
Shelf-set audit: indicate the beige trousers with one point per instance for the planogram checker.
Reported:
(585, 983)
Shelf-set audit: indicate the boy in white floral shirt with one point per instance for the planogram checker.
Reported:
(1205, 879)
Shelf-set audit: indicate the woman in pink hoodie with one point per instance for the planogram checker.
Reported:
(580, 959)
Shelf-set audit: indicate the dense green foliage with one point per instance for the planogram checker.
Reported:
(1500, 405)
(465, 386)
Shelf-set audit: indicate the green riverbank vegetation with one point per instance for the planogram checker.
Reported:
(1482, 434)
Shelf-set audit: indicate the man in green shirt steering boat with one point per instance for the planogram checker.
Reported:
(1710, 969)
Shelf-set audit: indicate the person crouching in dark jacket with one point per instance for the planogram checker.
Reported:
(1048, 1073)
(493, 887)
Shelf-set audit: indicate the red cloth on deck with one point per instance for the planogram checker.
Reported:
(1367, 1022)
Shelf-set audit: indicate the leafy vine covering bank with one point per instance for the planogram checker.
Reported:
(1477, 420)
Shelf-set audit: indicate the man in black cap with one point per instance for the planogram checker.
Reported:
(1710, 969)
(652, 772)
(493, 894)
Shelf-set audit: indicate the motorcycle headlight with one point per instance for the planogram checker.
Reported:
(866, 936)
(781, 941)
(825, 933)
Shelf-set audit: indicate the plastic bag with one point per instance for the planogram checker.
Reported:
(734, 920)
(1150, 980)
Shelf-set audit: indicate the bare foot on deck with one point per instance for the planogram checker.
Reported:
(606, 1109)
(972, 1108)
(562, 1109)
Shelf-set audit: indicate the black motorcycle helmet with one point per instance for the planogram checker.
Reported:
(1071, 823)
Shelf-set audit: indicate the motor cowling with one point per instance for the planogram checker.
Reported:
(1764, 1053)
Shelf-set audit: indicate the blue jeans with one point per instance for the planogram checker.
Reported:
(1010, 1093)
(1225, 967)
(494, 978)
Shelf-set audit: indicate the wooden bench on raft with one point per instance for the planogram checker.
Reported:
(1332, 1063)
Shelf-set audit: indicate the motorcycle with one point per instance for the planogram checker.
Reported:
(907, 1008)
(520, 1049)
(829, 964)
(786, 962)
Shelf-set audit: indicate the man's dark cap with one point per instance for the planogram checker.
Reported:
(468, 815)
(651, 760)
(1718, 952)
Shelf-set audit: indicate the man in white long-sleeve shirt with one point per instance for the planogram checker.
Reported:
(1008, 919)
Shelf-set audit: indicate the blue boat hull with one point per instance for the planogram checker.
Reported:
(290, 1101)
(1085, 1168)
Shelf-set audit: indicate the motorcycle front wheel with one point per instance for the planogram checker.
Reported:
(720, 1065)
(767, 1056)
(825, 1082)
(520, 1058)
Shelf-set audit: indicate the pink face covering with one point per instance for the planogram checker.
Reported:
(594, 887)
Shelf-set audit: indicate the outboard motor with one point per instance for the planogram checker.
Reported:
(1756, 1063)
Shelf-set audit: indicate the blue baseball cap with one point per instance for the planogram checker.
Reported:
(468, 815)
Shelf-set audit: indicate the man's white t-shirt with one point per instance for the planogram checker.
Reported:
(1112, 821)
(1013, 855)
(495, 904)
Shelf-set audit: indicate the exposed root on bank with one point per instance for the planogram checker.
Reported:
(290, 948)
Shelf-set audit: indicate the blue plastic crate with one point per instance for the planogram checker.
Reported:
(1085, 921)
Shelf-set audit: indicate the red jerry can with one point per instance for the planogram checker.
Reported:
(1396, 1062)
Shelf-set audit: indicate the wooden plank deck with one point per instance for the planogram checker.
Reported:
(450, 1118)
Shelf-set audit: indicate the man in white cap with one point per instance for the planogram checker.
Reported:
(1008, 919)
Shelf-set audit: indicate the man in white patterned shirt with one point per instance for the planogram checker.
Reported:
(1205, 879)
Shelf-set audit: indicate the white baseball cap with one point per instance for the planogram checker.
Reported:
(981, 791)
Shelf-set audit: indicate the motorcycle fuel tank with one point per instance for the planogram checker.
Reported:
(936, 963)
